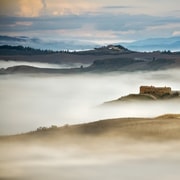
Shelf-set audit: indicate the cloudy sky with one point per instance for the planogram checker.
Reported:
(90, 20)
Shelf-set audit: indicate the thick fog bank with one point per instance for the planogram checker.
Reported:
(143, 161)
(27, 102)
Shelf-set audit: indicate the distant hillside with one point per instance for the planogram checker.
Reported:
(37, 43)
(23, 50)
(130, 64)
(153, 44)
(100, 66)
(20, 50)
(104, 59)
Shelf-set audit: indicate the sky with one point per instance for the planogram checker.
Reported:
(99, 21)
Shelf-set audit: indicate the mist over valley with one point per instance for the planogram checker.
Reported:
(89, 90)
(30, 101)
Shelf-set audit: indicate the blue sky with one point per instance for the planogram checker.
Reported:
(90, 20)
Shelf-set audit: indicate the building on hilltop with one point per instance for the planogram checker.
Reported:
(157, 91)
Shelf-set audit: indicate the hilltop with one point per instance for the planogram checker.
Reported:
(148, 93)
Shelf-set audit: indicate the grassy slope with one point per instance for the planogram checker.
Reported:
(163, 128)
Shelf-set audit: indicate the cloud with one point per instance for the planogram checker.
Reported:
(116, 7)
(24, 23)
(82, 19)
(90, 26)
(34, 8)
(44, 4)
(22, 8)
(64, 7)
(30, 8)
(8, 7)
(176, 33)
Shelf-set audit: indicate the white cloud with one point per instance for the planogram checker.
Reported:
(64, 7)
(24, 23)
(88, 20)
(34, 8)
(22, 8)
(176, 33)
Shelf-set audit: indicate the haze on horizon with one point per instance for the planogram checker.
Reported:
(100, 22)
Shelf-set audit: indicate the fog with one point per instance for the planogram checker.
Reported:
(30, 101)
(141, 161)
(6, 64)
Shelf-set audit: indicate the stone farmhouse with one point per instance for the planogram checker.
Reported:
(156, 91)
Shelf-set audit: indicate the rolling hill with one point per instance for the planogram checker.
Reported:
(104, 59)
(161, 128)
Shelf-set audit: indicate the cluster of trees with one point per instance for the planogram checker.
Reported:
(21, 50)
(46, 128)
(167, 52)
